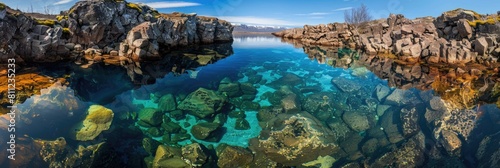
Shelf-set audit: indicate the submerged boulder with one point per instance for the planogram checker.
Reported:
(202, 103)
(295, 139)
(151, 116)
(206, 131)
(233, 156)
(167, 103)
(98, 119)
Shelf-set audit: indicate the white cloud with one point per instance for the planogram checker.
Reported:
(171, 4)
(314, 14)
(62, 2)
(258, 20)
(342, 9)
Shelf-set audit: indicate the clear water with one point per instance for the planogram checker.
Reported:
(58, 109)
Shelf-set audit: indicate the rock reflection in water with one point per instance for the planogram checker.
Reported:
(461, 86)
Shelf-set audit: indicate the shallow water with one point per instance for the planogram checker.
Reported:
(346, 98)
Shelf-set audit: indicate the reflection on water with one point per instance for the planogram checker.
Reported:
(264, 103)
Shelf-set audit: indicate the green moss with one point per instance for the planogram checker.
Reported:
(156, 14)
(2, 6)
(134, 6)
(46, 22)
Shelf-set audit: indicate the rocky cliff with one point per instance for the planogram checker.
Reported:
(459, 36)
(108, 28)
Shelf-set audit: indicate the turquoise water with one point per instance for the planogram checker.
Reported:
(352, 111)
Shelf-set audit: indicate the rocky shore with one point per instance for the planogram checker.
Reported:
(456, 37)
(104, 30)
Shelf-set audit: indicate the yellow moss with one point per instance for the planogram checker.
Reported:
(134, 6)
(2, 6)
(99, 114)
(156, 14)
(61, 17)
(66, 30)
(489, 20)
(46, 22)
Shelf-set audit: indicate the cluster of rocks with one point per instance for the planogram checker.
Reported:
(106, 27)
(456, 37)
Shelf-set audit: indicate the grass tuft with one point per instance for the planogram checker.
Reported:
(46, 22)
(134, 6)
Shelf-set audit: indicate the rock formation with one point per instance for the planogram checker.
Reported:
(456, 37)
(104, 27)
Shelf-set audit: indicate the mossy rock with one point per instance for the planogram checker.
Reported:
(151, 116)
(180, 137)
(155, 132)
(99, 119)
(206, 131)
(241, 124)
(46, 22)
(150, 145)
(134, 6)
(237, 114)
(203, 103)
(167, 103)
(2, 6)
(171, 127)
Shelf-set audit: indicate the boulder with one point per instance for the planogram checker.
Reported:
(207, 131)
(203, 103)
(464, 29)
(409, 118)
(481, 46)
(356, 121)
(151, 116)
(401, 97)
(194, 154)
(295, 139)
(167, 103)
(99, 119)
(233, 156)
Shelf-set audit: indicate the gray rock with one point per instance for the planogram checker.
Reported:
(481, 46)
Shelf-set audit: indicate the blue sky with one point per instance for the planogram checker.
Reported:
(290, 13)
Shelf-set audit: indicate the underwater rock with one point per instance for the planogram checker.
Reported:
(401, 97)
(346, 85)
(231, 89)
(324, 162)
(488, 152)
(169, 157)
(461, 121)
(409, 116)
(431, 116)
(236, 114)
(180, 137)
(202, 103)
(150, 145)
(409, 154)
(206, 131)
(154, 132)
(151, 116)
(294, 139)
(171, 127)
(356, 121)
(436, 103)
(339, 129)
(451, 142)
(59, 154)
(390, 123)
(288, 79)
(381, 109)
(370, 146)
(167, 103)
(99, 119)
(351, 146)
(318, 103)
(249, 106)
(381, 91)
(233, 156)
(194, 154)
(241, 124)
(291, 104)
(248, 89)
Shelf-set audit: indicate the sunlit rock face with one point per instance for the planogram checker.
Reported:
(455, 37)
(91, 31)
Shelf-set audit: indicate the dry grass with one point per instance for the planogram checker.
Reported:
(46, 22)
(134, 6)
(489, 20)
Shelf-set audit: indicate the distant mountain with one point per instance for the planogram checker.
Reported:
(256, 28)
